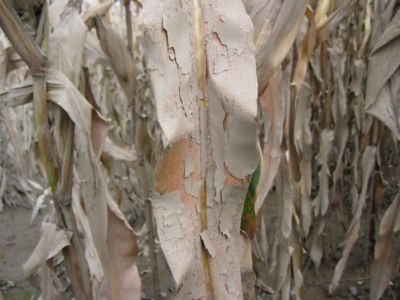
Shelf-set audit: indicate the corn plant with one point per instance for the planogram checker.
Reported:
(259, 139)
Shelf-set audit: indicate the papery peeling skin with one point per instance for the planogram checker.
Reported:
(189, 165)
(208, 242)
(175, 232)
(240, 146)
(179, 38)
(234, 39)
(162, 23)
(217, 116)
(232, 208)
(221, 64)
(209, 115)
(192, 188)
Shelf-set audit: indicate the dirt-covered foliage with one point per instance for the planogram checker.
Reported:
(245, 149)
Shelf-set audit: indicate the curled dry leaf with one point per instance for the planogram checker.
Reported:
(272, 103)
(99, 206)
(121, 60)
(110, 242)
(99, 9)
(246, 267)
(17, 95)
(339, 105)
(118, 152)
(386, 251)
(20, 38)
(383, 77)
(303, 141)
(317, 34)
(93, 50)
(63, 55)
(52, 241)
(282, 255)
(276, 24)
(367, 167)
(122, 279)
(321, 203)
(55, 10)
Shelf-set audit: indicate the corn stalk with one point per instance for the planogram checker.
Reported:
(106, 234)
(202, 175)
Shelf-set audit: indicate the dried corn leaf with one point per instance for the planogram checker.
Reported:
(122, 279)
(50, 285)
(64, 55)
(283, 250)
(118, 152)
(98, 203)
(303, 141)
(19, 94)
(99, 9)
(317, 35)
(20, 38)
(334, 19)
(99, 206)
(93, 261)
(3, 181)
(321, 203)
(60, 91)
(339, 105)
(272, 103)
(367, 167)
(351, 238)
(386, 251)
(111, 243)
(52, 241)
(121, 60)
(246, 267)
(305, 50)
(321, 13)
(264, 240)
(383, 77)
(276, 26)
(287, 209)
(55, 10)
(296, 264)
(316, 250)
(93, 50)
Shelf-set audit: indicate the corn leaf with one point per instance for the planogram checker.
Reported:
(383, 77)
(276, 26)
(386, 251)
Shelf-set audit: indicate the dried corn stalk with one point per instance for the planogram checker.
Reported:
(197, 55)
(101, 265)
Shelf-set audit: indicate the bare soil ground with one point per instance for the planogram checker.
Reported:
(18, 238)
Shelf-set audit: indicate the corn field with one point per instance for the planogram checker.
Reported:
(219, 149)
